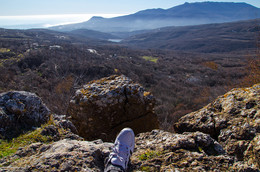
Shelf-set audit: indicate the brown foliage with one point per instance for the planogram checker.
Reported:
(181, 82)
(211, 65)
(65, 86)
(203, 97)
(252, 72)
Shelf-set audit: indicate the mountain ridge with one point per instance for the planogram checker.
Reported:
(182, 15)
(220, 37)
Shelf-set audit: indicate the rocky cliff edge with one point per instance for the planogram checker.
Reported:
(234, 118)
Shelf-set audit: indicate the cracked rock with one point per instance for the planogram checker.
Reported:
(101, 108)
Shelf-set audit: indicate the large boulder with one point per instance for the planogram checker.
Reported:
(101, 108)
(19, 112)
(233, 119)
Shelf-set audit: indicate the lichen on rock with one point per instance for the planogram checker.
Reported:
(233, 120)
(163, 151)
(223, 136)
(101, 108)
(63, 155)
(21, 111)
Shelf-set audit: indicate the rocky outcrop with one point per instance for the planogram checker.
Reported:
(21, 111)
(154, 151)
(229, 141)
(164, 151)
(59, 128)
(233, 119)
(64, 155)
(103, 107)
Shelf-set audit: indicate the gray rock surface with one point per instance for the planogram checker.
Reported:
(233, 120)
(163, 151)
(103, 107)
(21, 111)
(63, 155)
(154, 151)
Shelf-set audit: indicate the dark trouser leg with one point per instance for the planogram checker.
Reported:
(113, 168)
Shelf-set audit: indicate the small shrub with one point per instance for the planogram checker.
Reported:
(253, 73)
(211, 65)
(65, 85)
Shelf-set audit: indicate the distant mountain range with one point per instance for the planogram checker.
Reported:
(182, 15)
(222, 37)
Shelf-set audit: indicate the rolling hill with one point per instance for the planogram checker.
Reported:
(86, 33)
(224, 37)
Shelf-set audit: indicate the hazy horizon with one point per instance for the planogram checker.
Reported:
(25, 14)
(45, 21)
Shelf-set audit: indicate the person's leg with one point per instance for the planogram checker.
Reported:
(123, 148)
(113, 168)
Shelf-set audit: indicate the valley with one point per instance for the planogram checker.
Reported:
(184, 67)
(53, 64)
(185, 79)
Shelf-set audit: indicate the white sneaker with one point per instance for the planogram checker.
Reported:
(123, 148)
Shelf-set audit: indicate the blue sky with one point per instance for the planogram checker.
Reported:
(40, 7)
(54, 12)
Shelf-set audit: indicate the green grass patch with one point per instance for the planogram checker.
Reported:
(150, 58)
(4, 50)
(200, 149)
(145, 168)
(149, 155)
(10, 60)
(8, 147)
(20, 56)
(40, 74)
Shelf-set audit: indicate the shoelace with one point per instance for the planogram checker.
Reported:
(121, 152)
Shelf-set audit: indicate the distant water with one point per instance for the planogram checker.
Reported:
(115, 40)
(44, 21)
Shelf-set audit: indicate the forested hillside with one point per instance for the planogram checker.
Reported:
(53, 65)
(223, 37)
